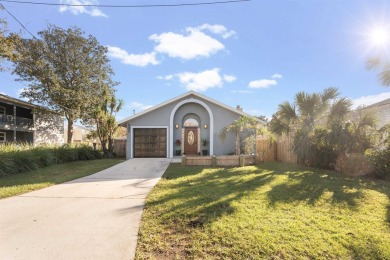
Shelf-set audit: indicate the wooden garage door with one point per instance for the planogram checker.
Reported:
(150, 142)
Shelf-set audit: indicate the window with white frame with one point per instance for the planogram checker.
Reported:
(2, 110)
(2, 137)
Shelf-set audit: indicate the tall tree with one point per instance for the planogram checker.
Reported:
(236, 127)
(7, 44)
(66, 71)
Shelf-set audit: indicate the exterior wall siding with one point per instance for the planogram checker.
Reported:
(49, 128)
(222, 118)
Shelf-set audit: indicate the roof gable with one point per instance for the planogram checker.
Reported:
(185, 95)
(380, 103)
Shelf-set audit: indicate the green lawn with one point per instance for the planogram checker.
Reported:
(33, 180)
(272, 211)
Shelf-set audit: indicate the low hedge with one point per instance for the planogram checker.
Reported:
(21, 158)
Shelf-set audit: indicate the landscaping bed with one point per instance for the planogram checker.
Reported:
(16, 158)
(272, 211)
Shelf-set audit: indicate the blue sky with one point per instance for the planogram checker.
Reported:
(255, 54)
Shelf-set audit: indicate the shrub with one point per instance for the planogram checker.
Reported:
(25, 160)
(7, 166)
(85, 152)
(65, 154)
(381, 161)
(15, 158)
(44, 155)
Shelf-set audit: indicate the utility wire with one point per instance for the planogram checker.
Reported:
(126, 6)
(16, 19)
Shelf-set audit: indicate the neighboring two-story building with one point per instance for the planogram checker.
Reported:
(24, 122)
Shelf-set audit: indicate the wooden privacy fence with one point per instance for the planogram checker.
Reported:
(284, 153)
(224, 160)
(265, 149)
(120, 147)
(275, 151)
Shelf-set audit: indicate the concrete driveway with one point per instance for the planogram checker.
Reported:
(95, 217)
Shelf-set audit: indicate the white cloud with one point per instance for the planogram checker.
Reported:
(193, 44)
(369, 100)
(138, 107)
(140, 60)
(229, 78)
(265, 83)
(262, 83)
(241, 91)
(216, 29)
(92, 11)
(201, 81)
(167, 77)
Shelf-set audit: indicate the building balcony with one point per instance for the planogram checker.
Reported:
(19, 122)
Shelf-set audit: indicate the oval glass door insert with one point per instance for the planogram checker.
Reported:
(191, 138)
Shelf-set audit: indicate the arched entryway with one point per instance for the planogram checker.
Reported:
(188, 127)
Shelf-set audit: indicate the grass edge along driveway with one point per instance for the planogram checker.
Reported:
(20, 183)
(275, 210)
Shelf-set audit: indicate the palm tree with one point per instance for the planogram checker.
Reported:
(236, 127)
(383, 65)
(104, 118)
(359, 135)
(303, 118)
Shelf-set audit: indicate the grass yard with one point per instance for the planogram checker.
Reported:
(44, 177)
(272, 211)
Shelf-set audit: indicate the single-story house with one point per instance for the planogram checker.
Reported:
(23, 122)
(188, 124)
(80, 134)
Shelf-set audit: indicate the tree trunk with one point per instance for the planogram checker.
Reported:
(237, 143)
(110, 149)
(104, 148)
(70, 131)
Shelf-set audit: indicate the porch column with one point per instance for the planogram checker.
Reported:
(14, 123)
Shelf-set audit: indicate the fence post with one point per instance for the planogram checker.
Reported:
(257, 159)
(213, 160)
(241, 160)
(183, 160)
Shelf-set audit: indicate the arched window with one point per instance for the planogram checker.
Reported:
(191, 122)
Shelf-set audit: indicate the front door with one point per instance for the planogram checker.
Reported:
(191, 141)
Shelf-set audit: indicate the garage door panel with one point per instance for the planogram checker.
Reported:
(150, 142)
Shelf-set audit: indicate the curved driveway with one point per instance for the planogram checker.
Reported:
(95, 217)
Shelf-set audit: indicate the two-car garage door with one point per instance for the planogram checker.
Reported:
(150, 142)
